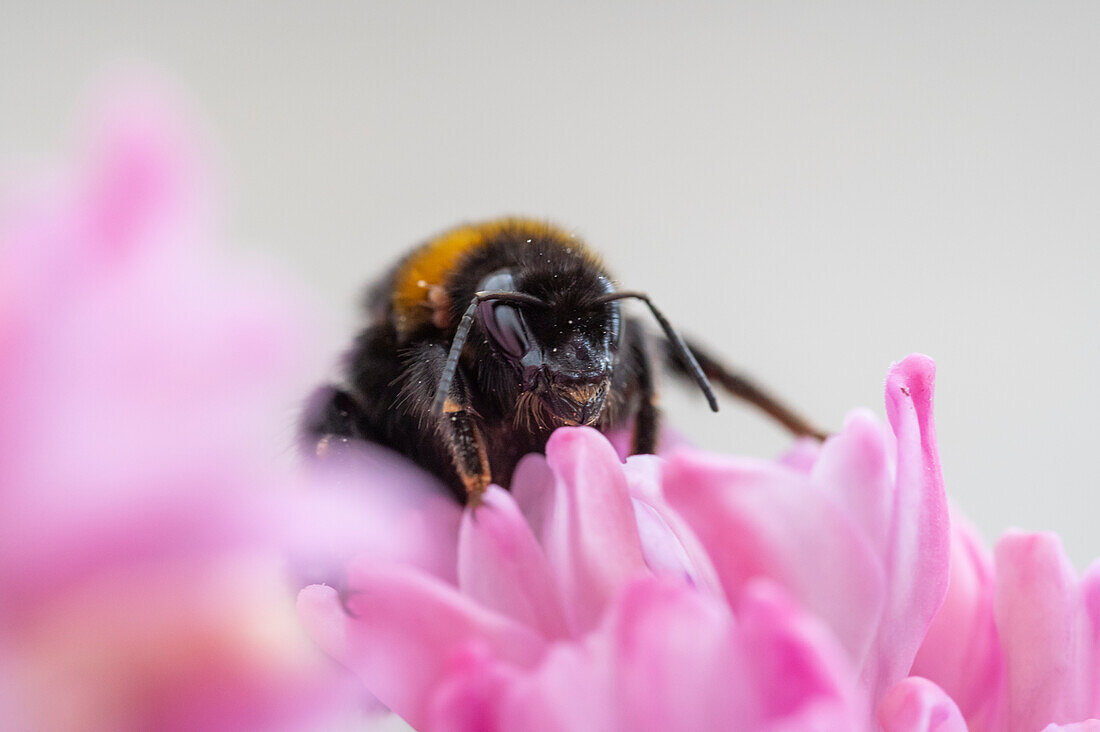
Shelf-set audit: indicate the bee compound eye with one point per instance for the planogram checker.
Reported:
(507, 327)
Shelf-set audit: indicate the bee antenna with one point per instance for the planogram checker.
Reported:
(463, 332)
(674, 338)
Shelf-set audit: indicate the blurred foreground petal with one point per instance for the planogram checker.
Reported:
(142, 558)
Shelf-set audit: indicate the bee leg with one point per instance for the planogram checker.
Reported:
(743, 387)
(460, 438)
(647, 420)
(467, 447)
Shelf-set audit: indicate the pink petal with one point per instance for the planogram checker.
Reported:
(570, 690)
(918, 705)
(668, 657)
(404, 630)
(534, 488)
(676, 663)
(1037, 612)
(758, 519)
(1089, 725)
(802, 678)
(961, 652)
(802, 455)
(383, 506)
(1090, 598)
(586, 525)
(469, 698)
(918, 541)
(670, 547)
(501, 566)
(853, 468)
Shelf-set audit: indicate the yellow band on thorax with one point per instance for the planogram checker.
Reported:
(431, 264)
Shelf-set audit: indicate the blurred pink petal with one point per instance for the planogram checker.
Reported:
(802, 455)
(403, 630)
(962, 651)
(1047, 631)
(1089, 725)
(141, 550)
(918, 705)
(371, 501)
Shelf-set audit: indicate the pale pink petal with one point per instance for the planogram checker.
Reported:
(1037, 611)
(401, 631)
(643, 477)
(534, 488)
(676, 661)
(501, 566)
(1089, 725)
(670, 547)
(853, 467)
(587, 528)
(961, 652)
(918, 542)
(380, 504)
(1090, 598)
(802, 455)
(758, 519)
(917, 705)
(570, 690)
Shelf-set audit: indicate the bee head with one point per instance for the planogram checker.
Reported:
(560, 344)
(558, 329)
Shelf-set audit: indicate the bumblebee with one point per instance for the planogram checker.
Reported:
(486, 338)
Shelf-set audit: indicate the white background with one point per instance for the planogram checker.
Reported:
(817, 190)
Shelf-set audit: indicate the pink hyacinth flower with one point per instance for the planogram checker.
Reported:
(859, 539)
(543, 633)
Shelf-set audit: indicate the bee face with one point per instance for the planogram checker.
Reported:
(563, 352)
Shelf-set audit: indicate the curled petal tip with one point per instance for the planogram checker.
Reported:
(912, 378)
